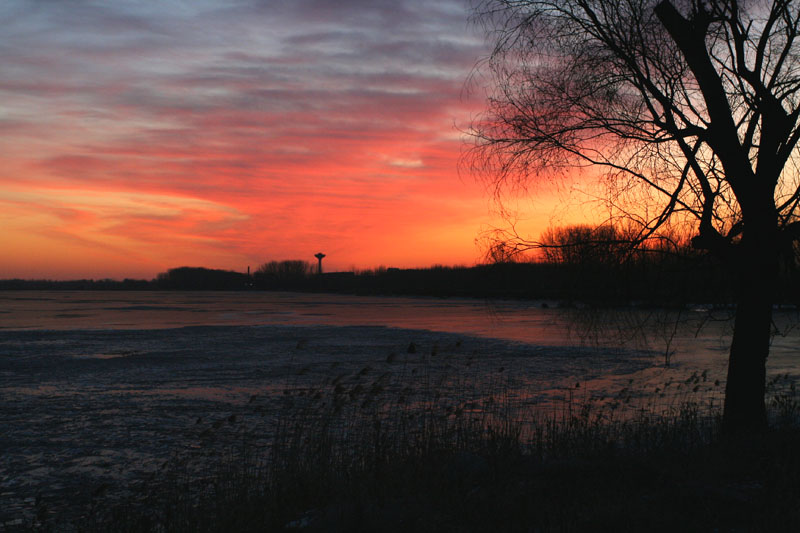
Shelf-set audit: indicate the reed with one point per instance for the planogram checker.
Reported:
(423, 448)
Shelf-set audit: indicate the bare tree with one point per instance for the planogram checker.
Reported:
(691, 109)
(584, 245)
(282, 272)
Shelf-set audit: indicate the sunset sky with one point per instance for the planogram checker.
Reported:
(142, 135)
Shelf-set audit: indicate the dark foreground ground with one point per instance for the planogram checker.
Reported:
(370, 429)
(576, 474)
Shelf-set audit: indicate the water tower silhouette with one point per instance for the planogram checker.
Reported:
(319, 257)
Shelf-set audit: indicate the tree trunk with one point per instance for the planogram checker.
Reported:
(745, 408)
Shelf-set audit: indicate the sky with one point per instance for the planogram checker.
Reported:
(137, 136)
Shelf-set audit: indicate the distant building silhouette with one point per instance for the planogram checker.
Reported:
(319, 257)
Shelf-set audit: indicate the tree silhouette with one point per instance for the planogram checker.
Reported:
(285, 274)
(585, 245)
(691, 109)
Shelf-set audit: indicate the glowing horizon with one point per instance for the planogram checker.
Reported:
(139, 137)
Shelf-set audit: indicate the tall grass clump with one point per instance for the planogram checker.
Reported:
(429, 447)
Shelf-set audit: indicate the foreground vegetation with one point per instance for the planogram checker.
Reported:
(346, 458)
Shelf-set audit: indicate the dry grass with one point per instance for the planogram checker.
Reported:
(390, 451)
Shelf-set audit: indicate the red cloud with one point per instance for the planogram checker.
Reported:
(257, 134)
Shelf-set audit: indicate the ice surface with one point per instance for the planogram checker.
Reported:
(102, 390)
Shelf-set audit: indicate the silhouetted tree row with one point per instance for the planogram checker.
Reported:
(197, 278)
(579, 264)
(608, 262)
(621, 285)
(292, 274)
(76, 284)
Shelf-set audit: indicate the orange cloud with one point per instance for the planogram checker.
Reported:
(142, 137)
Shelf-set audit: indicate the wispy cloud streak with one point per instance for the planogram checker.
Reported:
(235, 132)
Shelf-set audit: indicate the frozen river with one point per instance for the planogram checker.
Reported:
(100, 390)
(80, 310)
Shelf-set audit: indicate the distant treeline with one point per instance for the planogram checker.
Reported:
(676, 281)
(579, 264)
(76, 284)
